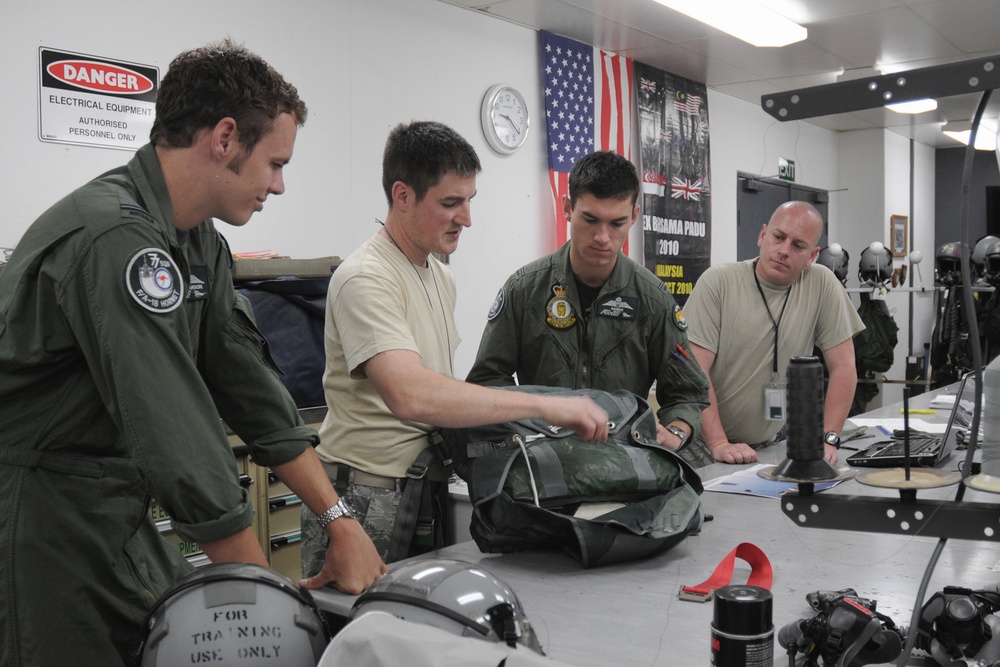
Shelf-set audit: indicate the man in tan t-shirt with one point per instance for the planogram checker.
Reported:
(390, 341)
(748, 319)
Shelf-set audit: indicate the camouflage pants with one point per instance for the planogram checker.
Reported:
(376, 508)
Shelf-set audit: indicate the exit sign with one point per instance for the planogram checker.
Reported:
(786, 169)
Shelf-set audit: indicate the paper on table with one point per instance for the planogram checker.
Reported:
(749, 483)
(943, 401)
(897, 425)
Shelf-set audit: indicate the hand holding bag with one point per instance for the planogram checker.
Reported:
(534, 485)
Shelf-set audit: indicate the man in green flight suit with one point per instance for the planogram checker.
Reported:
(122, 342)
(588, 316)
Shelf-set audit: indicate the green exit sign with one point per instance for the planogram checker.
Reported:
(786, 169)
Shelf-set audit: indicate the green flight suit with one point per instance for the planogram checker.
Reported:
(634, 336)
(122, 342)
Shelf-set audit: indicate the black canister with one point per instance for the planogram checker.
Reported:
(742, 631)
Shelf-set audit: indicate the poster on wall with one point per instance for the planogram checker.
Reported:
(676, 179)
(91, 101)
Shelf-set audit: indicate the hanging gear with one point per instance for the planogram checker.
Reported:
(948, 264)
(991, 261)
(874, 350)
(978, 258)
(951, 351)
(874, 269)
(839, 264)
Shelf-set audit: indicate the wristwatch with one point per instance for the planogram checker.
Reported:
(342, 508)
(832, 439)
(679, 432)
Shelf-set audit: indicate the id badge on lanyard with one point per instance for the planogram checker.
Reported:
(774, 401)
(774, 393)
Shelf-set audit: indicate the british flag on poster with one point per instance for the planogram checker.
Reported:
(676, 179)
(588, 107)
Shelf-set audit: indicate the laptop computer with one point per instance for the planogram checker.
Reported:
(925, 451)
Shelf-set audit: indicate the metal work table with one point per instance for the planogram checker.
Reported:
(629, 614)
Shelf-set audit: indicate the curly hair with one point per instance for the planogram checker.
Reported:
(420, 153)
(205, 85)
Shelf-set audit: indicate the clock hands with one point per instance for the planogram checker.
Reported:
(505, 116)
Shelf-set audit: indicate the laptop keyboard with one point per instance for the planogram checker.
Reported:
(918, 445)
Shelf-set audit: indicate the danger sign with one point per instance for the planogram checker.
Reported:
(93, 101)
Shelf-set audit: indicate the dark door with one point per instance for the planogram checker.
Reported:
(758, 197)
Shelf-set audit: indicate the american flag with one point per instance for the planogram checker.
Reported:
(588, 107)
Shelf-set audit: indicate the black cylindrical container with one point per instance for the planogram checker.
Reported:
(805, 394)
(742, 632)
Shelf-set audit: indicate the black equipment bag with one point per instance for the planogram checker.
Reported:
(290, 312)
(620, 500)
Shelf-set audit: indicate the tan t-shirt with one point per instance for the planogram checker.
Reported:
(726, 315)
(378, 301)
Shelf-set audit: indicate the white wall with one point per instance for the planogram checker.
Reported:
(745, 138)
(363, 66)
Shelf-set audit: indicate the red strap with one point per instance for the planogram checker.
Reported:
(760, 573)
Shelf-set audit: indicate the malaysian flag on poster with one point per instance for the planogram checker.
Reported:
(676, 179)
(588, 107)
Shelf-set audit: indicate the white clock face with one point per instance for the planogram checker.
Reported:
(505, 119)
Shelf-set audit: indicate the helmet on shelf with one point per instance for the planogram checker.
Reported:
(992, 264)
(838, 263)
(978, 257)
(234, 613)
(454, 596)
(874, 268)
(948, 263)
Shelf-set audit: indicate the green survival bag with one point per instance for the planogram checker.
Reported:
(534, 485)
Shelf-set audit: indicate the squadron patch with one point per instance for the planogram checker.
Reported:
(497, 306)
(152, 279)
(679, 320)
(559, 311)
(621, 307)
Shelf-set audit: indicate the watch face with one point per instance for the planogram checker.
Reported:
(505, 118)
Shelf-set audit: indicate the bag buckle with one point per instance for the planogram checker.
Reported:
(692, 595)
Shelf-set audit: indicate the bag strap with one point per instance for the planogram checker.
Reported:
(409, 506)
(761, 573)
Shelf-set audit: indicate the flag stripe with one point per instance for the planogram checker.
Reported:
(588, 106)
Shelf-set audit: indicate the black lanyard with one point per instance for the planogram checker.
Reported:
(774, 363)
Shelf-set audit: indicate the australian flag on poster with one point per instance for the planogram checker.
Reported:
(676, 179)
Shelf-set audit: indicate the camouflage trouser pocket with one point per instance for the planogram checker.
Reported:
(376, 510)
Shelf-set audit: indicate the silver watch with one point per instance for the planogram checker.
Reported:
(342, 508)
(679, 432)
(831, 438)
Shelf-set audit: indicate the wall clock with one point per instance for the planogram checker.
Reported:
(505, 118)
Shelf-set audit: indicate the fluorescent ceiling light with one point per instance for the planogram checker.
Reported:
(744, 19)
(986, 137)
(913, 106)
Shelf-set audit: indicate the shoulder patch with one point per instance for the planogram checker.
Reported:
(497, 306)
(679, 320)
(136, 211)
(152, 280)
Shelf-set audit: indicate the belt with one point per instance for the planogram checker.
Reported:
(346, 475)
(81, 466)
(760, 573)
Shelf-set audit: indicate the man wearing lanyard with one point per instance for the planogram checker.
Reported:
(748, 319)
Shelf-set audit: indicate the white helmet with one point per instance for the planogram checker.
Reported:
(234, 614)
(451, 595)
